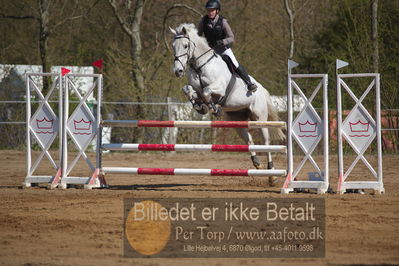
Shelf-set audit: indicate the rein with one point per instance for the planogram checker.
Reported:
(187, 53)
(197, 69)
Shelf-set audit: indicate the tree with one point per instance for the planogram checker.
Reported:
(374, 18)
(291, 17)
(130, 19)
(49, 15)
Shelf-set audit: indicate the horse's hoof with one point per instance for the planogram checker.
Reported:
(260, 166)
(257, 163)
(273, 181)
(202, 109)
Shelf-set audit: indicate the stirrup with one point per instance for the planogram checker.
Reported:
(252, 87)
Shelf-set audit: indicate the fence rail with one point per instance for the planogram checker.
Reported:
(13, 128)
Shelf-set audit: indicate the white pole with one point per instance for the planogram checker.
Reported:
(98, 125)
(28, 114)
(378, 120)
(290, 163)
(61, 121)
(325, 131)
(339, 129)
(64, 131)
(170, 117)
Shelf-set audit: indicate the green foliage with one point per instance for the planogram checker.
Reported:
(347, 36)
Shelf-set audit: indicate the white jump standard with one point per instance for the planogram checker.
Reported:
(43, 127)
(307, 130)
(359, 129)
(82, 127)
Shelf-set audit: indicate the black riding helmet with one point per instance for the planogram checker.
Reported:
(215, 4)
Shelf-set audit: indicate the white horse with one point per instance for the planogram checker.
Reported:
(210, 80)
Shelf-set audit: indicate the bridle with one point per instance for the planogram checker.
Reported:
(189, 54)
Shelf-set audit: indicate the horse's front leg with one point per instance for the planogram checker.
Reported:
(207, 94)
(195, 100)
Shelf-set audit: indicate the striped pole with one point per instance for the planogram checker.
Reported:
(189, 171)
(194, 147)
(194, 124)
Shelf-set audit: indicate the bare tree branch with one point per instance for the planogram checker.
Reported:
(85, 14)
(374, 12)
(17, 17)
(121, 21)
(291, 17)
(304, 5)
(167, 16)
(131, 23)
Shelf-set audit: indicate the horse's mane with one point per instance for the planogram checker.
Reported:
(191, 31)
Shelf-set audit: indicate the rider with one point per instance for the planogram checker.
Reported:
(220, 37)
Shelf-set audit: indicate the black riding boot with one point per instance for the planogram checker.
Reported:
(244, 75)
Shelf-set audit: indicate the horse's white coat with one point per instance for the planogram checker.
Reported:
(191, 52)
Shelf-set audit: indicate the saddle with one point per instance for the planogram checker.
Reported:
(234, 74)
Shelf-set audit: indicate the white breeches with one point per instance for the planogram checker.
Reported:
(230, 54)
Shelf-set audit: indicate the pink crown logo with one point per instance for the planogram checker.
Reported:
(359, 126)
(307, 127)
(44, 123)
(82, 124)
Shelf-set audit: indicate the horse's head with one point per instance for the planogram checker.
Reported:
(183, 48)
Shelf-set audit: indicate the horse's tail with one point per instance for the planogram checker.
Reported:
(275, 133)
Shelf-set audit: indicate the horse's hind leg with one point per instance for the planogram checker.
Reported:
(246, 136)
(272, 179)
(258, 113)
